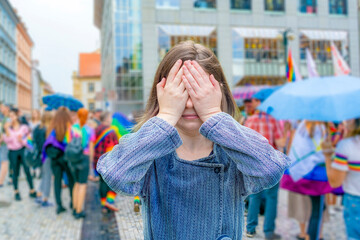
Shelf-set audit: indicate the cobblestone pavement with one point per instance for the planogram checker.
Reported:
(26, 220)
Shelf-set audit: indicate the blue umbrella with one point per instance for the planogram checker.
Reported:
(319, 99)
(265, 93)
(57, 100)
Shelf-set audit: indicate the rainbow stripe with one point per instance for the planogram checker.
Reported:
(137, 199)
(340, 159)
(354, 166)
(121, 125)
(110, 197)
(103, 135)
(29, 142)
(290, 71)
(67, 137)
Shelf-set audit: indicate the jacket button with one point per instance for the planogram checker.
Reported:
(217, 169)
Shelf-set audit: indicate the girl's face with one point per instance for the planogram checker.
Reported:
(349, 125)
(13, 117)
(189, 122)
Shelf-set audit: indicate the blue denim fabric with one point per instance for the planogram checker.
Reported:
(201, 199)
(271, 196)
(352, 216)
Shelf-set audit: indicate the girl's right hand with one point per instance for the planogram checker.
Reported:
(172, 95)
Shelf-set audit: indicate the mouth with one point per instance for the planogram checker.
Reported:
(190, 116)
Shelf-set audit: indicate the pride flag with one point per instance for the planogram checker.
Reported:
(121, 125)
(290, 69)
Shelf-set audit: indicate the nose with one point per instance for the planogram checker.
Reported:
(189, 103)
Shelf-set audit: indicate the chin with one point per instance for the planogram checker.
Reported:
(189, 125)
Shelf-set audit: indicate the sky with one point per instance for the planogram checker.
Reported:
(60, 30)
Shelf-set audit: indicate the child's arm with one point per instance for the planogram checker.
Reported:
(125, 167)
(261, 165)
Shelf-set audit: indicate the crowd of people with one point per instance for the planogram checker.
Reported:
(191, 157)
(39, 144)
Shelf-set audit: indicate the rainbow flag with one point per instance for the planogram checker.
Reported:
(29, 142)
(121, 125)
(290, 69)
(102, 136)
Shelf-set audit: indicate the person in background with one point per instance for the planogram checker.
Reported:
(39, 138)
(58, 137)
(35, 119)
(80, 170)
(97, 115)
(343, 168)
(106, 139)
(15, 138)
(4, 160)
(267, 126)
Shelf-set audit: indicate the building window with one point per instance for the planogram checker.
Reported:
(91, 106)
(205, 4)
(275, 5)
(170, 35)
(91, 87)
(241, 4)
(308, 6)
(338, 7)
(168, 4)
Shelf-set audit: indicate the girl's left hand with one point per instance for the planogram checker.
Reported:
(204, 90)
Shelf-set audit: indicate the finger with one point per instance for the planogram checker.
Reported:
(188, 87)
(177, 79)
(160, 86)
(174, 70)
(197, 76)
(215, 83)
(191, 80)
(181, 86)
(199, 68)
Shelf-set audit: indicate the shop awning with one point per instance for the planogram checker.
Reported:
(181, 30)
(325, 35)
(258, 32)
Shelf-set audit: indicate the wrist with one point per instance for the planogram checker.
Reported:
(168, 118)
(204, 118)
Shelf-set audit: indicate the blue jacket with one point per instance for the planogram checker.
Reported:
(201, 199)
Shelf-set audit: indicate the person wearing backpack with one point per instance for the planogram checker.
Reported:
(39, 138)
(80, 165)
(58, 138)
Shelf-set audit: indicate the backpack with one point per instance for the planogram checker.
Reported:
(74, 150)
(33, 157)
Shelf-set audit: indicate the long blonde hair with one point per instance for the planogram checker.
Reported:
(46, 119)
(189, 50)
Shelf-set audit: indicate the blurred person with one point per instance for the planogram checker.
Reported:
(35, 119)
(268, 127)
(343, 168)
(189, 160)
(4, 160)
(15, 139)
(106, 139)
(80, 169)
(58, 137)
(39, 138)
(97, 115)
(307, 176)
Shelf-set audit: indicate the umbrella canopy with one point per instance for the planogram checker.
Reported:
(247, 92)
(57, 100)
(331, 99)
(265, 93)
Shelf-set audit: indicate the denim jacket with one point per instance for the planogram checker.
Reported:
(201, 199)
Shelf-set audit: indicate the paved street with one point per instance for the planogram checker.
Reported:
(26, 220)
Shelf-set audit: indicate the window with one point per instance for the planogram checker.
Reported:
(241, 4)
(275, 5)
(170, 35)
(91, 106)
(308, 6)
(338, 7)
(91, 87)
(205, 4)
(168, 3)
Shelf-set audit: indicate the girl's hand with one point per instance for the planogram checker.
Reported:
(327, 147)
(204, 90)
(172, 95)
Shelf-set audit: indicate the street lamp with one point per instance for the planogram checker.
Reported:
(286, 36)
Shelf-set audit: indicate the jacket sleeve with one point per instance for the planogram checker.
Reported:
(260, 164)
(124, 168)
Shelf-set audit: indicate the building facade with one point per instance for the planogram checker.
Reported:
(246, 35)
(8, 23)
(40, 87)
(24, 75)
(87, 81)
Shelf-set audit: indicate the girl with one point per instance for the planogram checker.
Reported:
(53, 148)
(189, 160)
(15, 138)
(345, 170)
(80, 170)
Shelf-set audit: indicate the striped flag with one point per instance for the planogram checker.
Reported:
(292, 72)
(340, 66)
(311, 66)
